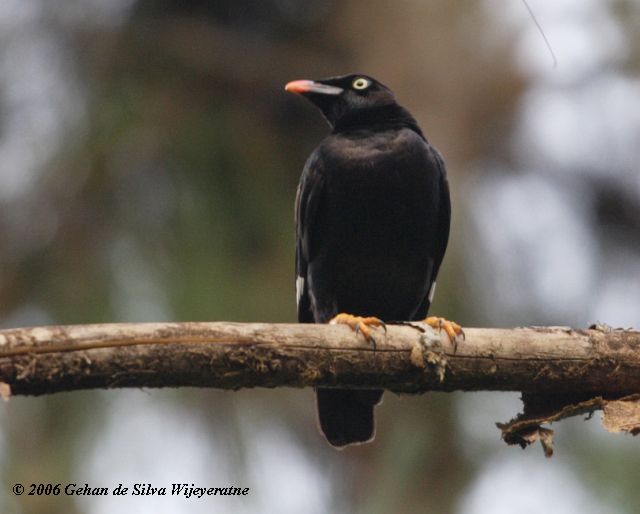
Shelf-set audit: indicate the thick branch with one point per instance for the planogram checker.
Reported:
(410, 358)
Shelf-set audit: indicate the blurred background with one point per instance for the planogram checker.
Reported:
(148, 164)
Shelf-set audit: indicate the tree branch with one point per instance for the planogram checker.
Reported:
(410, 358)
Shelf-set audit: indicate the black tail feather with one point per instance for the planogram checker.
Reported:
(346, 415)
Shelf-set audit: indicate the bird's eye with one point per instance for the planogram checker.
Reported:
(360, 84)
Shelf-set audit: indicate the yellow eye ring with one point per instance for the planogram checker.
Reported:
(360, 83)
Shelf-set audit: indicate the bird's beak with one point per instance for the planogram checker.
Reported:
(303, 87)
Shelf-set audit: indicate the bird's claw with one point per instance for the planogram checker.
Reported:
(359, 324)
(453, 330)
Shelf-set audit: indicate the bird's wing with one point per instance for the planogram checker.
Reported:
(444, 216)
(442, 235)
(308, 230)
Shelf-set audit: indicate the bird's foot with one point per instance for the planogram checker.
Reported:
(359, 324)
(453, 330)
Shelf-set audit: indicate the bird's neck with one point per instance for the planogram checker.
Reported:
(385, 116)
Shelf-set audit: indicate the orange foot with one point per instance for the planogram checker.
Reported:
(452, 329)
(359, 324)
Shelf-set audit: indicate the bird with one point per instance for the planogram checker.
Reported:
(372, 220)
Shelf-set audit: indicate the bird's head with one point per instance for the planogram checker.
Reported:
(347, 95)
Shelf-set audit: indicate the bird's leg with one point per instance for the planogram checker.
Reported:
(359, 324)
(452, 329)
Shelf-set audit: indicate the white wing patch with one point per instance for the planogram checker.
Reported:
(299, 289)
(432, 291)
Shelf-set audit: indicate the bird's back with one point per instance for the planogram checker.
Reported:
(378, 219)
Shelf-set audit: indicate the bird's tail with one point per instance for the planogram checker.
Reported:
(346, 415)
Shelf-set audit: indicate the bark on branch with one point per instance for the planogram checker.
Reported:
(408, 359)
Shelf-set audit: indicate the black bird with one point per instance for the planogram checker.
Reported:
(372, 224)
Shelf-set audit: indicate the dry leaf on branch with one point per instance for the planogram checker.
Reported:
(619, 415)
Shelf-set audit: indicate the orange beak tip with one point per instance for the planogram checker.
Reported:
(298, 86)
